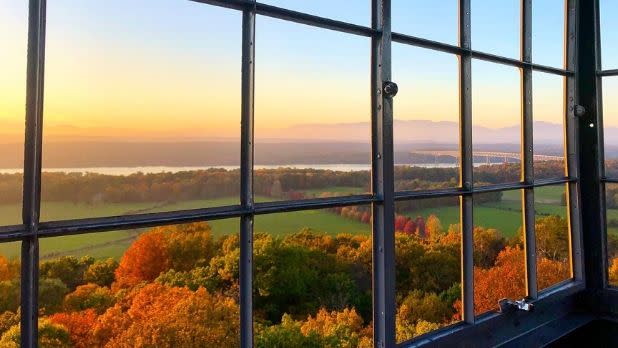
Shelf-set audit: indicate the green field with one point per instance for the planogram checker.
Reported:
(114, 243)
(504, 216)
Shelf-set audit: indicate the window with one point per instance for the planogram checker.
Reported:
(250, 162)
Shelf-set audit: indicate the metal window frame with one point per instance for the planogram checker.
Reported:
(383, 196)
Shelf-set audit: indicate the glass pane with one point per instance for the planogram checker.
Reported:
(312, 278)
(499, 264)
(10, 293)
(548, 129)
(135, 129)
(418, 18)
(13, 47)
(312, 112)
(610, 125)
(164, 286)
(609, 33)
(496, 26)
(426, 113)
(611, 199)
(356, 12)
(496, 123)
(552, 235)
(428, 259)
(548, 32)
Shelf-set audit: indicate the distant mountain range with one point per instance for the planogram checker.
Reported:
(405, 131)
(345, 143)
(430, 132)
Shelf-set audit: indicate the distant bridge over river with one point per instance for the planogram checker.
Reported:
(488, 155)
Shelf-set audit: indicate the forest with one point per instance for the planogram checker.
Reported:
(178, 285)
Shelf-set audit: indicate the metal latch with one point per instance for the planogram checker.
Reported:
(507, 306)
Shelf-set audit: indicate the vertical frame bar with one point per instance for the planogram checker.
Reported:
(527, 150)
(466, 162)
(600, 133)
(571, 136)
(32, 172)
(588, 135)
(246, 177)
(382, 177)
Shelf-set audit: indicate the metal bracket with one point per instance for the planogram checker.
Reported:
(390, 89)
(508, 306)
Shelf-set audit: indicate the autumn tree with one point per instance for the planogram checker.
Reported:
(159, 316)
(69, 269)
(79, 326)
(180, 247)
(552, 237)
(50, 335)
(433, 227)
(9, 269)
(400, 222)
(89, 296)
(613, 272)
(410, 227)
(101, 272)
(488, 243)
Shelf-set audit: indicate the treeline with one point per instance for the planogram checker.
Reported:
(288, 183)
(177, 286)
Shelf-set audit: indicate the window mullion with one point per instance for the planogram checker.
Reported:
(246, 177)
(571, 142)
(32, 172)
(527, 151)
(383, 234)
(466, 165)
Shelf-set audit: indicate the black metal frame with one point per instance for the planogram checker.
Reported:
(383, 197)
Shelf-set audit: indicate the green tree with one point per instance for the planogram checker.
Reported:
(50, 336)
(101, 272)
(69, 269)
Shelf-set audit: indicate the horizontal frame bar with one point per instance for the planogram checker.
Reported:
(293, 16)
(611, 72)
(355, 29)
(110, 223)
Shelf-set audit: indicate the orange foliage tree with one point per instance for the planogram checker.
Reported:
(507, 278)
(157, 315)
(180, 247)
(79, 325)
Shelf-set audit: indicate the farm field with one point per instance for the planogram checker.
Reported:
(504, 216)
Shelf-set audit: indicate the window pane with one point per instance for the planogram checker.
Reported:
(611, 205)
(496, 123)
(610, 125)
(428, 261)
(496, 26)
(418, 18)
(548, 32)
(426, 113)
(499, 264)
(552, 235)
(170, 285)
(143, 103)
(312, 278)
(13, 42)
(609, 33)
(356, 12)
(548, 128)
(312, 111)
(10, 293)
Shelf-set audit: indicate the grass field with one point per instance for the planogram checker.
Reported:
(504, 216)
(114, 243)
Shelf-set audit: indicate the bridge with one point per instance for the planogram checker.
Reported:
(487, 154)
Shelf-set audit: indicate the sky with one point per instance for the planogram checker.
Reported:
(171, 68)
